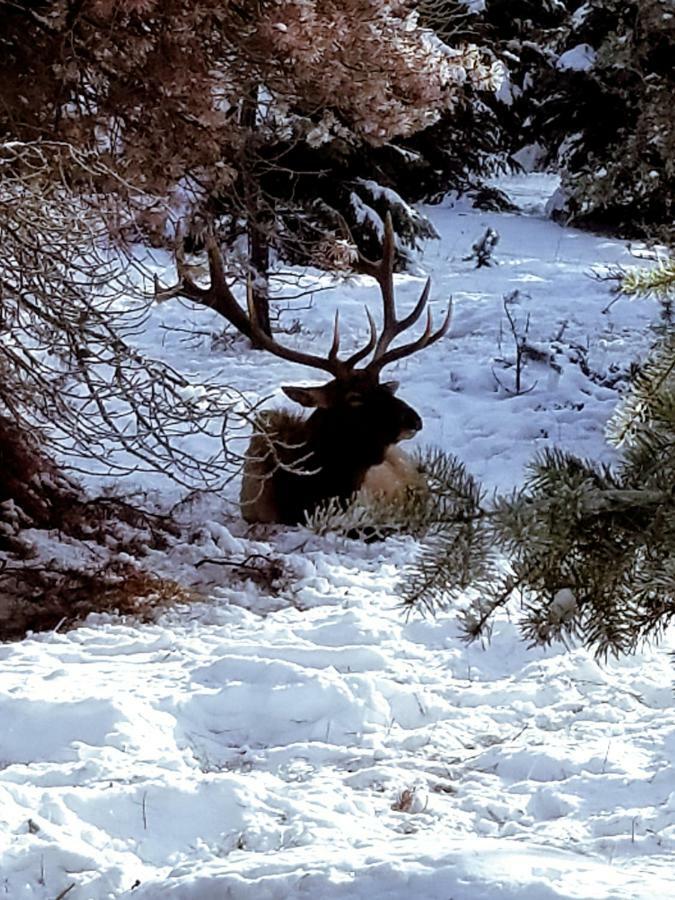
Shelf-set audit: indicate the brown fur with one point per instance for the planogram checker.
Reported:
(278, 438)
(279, 441)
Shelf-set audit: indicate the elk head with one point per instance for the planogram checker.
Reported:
(356, 417)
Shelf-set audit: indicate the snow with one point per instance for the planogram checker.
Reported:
(580, 58)
(580, 15)
(530, 157)
(309, 740)
(475, 6)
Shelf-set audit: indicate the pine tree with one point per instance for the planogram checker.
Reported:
(618, 155)
(281, 121)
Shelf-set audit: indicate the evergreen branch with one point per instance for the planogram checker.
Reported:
(659, 281)
(476, 620)
(591, 551)
(651, 388)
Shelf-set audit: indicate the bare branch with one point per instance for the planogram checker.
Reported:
(71, 309)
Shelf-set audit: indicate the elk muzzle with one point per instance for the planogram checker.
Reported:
(411, 423)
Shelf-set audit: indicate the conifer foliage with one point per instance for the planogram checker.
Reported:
(590, 549)
(589, 93)
(234, 110)
(618, 159)
(591, 552)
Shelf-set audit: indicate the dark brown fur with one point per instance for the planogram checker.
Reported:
(295, 464)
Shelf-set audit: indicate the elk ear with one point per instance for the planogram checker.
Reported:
(307, 396)
(391, 386)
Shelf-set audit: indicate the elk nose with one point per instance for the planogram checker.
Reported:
(410, 425)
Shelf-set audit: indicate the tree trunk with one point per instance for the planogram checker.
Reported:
(259, 257)
(258, 220)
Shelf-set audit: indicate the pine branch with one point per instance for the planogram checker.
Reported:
(591, 555)
(659, 281)
(649, 396)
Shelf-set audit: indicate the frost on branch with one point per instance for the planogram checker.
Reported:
(259, 104)
(380, 69)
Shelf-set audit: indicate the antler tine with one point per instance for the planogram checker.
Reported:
(412, 317)
(383, 272)
(426, 339)
(365, 350)
(335, 346)
(385, 279)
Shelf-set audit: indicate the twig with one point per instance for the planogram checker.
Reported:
(66, 891)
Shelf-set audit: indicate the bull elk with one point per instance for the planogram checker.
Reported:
(348, 443)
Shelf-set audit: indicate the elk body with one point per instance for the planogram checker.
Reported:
(294, 464)
(348, 443)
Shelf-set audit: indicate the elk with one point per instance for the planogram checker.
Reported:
(348, 443)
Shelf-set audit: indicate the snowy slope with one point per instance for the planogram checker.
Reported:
(313, 743)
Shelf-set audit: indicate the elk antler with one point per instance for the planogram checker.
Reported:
(383, 273)
(219, 297)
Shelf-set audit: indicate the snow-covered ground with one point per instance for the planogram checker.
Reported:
(313, 743)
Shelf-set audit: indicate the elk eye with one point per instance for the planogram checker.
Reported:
(353, 398)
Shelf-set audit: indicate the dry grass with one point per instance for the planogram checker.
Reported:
(47, 601)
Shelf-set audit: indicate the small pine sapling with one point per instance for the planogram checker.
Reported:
(525, 351)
